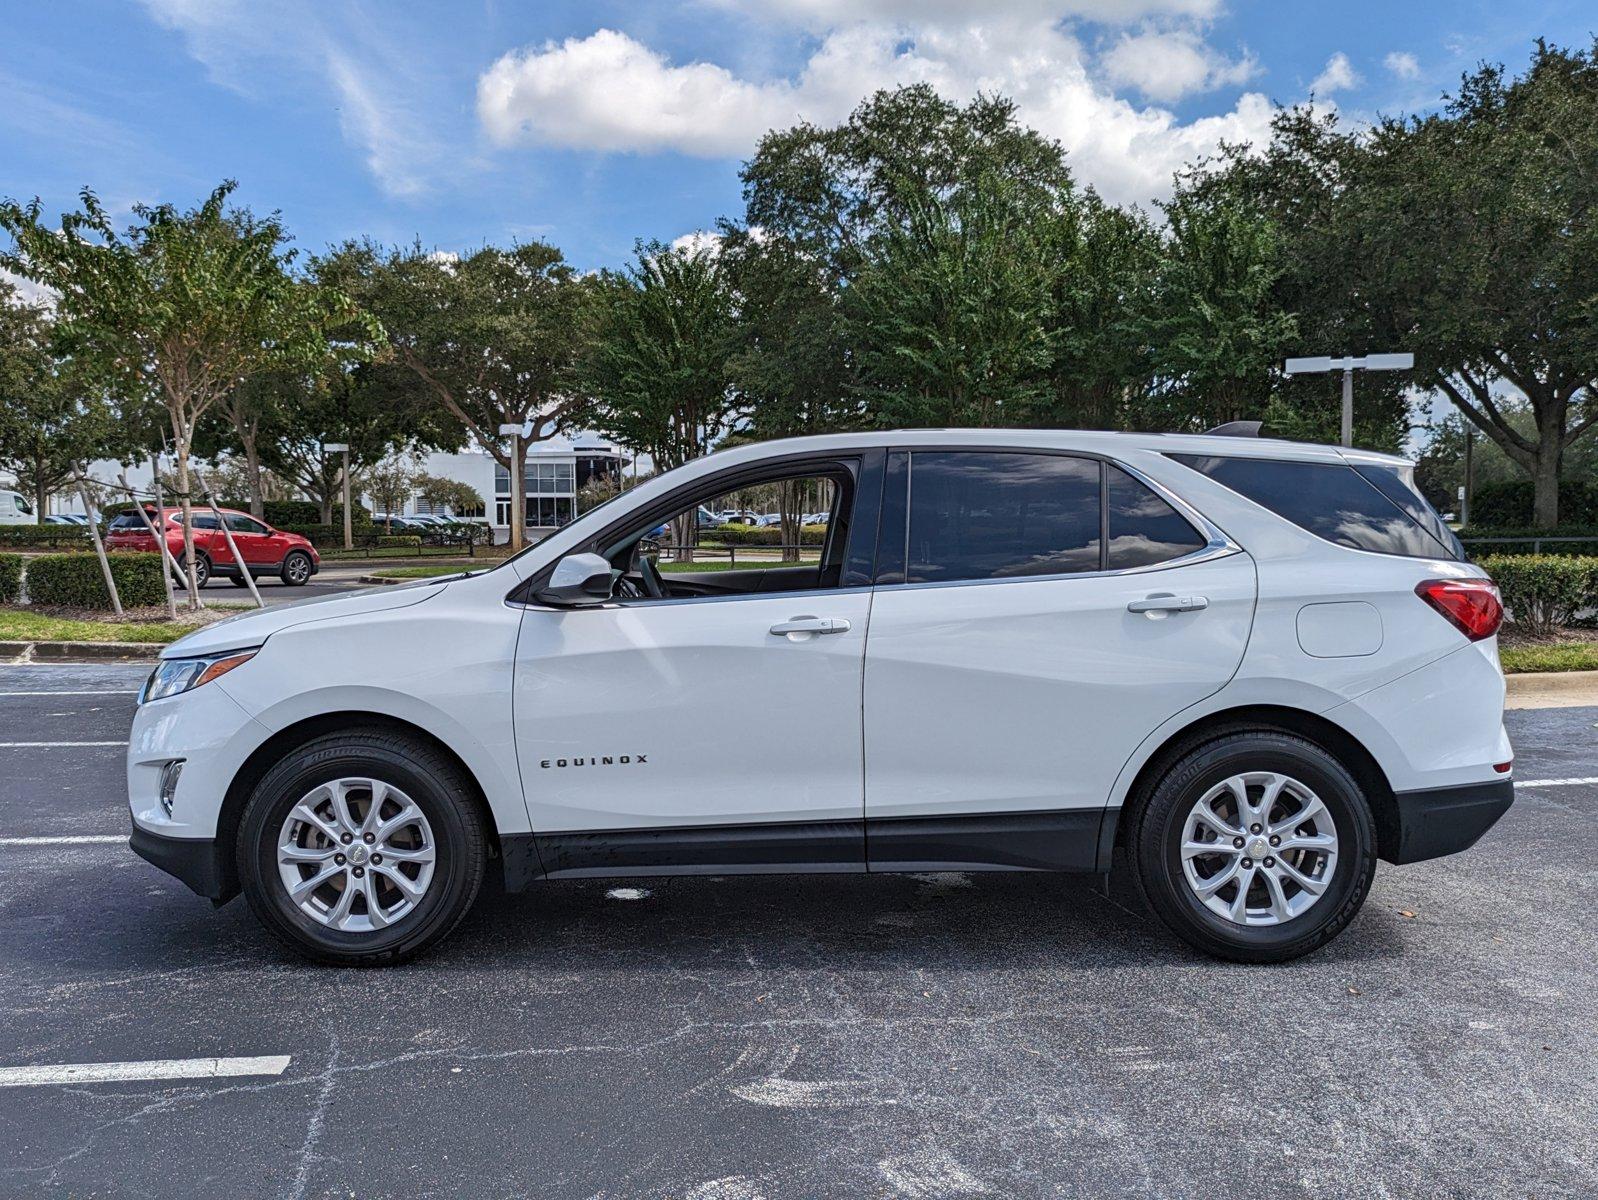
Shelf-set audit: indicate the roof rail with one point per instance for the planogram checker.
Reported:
(1235, 429)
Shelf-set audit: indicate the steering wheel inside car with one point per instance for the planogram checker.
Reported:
(650, 574)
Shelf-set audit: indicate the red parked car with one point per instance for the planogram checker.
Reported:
(265, 551)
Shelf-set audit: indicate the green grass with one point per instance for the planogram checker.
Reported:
(1557, 656)
(19, 625)
(748, 564)
(420, 572)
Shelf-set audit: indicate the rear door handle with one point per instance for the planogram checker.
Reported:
(800, 626)
(1164, 602)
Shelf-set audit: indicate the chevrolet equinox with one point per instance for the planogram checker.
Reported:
(1242, 669)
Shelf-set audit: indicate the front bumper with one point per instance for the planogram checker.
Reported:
(1446, 820)
(196, 861)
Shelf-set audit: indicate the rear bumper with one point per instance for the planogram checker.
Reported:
(1447, 820)
(196, 861)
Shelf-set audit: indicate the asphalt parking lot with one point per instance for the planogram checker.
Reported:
(727, 1039)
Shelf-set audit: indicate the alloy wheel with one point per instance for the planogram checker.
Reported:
(356, 855)
(1259, 848)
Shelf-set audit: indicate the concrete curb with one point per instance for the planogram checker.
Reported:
(81, 651)
(1552, 689)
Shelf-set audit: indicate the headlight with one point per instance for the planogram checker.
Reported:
(174, 676)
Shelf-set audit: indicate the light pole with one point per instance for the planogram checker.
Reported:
(516, 433)
(349, 534)
(1371, 362)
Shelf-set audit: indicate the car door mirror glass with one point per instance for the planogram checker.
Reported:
(579, 579)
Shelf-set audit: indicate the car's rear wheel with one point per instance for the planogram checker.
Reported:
(1257, 847)
(202, 569)
(362, 848)
(296, 570)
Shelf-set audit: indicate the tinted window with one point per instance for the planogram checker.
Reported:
(1331, 500)
(127, 521)
(242, 525)
(205, 521)
(995, 516)
(1398, 485)
(1143, 528)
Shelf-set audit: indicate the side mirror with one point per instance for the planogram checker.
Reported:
(579, 579)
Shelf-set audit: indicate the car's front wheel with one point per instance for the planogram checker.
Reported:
(1257, 847)
(361, 848)
(296, 570)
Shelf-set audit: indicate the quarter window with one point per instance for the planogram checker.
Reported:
(1002, 515)
(1143, 528)
(1331, 500)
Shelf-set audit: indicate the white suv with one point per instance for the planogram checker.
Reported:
(1252, 667)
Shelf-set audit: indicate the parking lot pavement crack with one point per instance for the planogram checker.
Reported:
(328, 1080)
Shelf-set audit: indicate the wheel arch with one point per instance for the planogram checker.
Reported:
(290, 737)
(1323, 732)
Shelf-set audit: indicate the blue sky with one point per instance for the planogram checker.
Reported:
(592, 124)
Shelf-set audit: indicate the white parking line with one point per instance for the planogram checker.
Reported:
(100, 692)
(85, 839)
(1586, 781)
(53, 745)
(161, 1068)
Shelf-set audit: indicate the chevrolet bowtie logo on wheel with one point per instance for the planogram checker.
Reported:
(619, 760)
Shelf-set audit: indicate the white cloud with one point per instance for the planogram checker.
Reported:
(699, 241)
(381, 92)
(610, 92)
(26, 291)
(1403, 64)
(1167, 65)
(1337, 76)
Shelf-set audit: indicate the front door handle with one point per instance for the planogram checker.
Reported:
(801, 627)
(1161, 603)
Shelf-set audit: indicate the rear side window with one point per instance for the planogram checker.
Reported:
(126, 521)
(1143, 528)
(1002, 515)
(1331, 500)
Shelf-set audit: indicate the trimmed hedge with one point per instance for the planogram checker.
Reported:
(396, 541)
(281, 514)
(10, 578)
(74, 580)
(1509, 504)
(44, 535)
(760, 535)
(1476, 549)
(1544, 591)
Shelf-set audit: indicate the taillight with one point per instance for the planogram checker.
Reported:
(1472, 605)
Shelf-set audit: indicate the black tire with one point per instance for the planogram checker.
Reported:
(202, 570)
(296, 569)
(237, 580)
(428, 778)
(1154, 840)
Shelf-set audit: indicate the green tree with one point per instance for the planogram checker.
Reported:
(950, 314)
(1476, 224)
(52, 420)
(492, 337)
(182, 305)
(462, 499)
(1217, 329)
(659, 338)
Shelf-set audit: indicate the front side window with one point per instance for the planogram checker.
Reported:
(1331, 500)
(693, 552)
(1001, 515)
(240, 524)
(23, 506)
